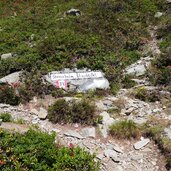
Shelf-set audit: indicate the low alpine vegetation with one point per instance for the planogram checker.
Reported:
(37, 151)
(8, 95)
(147, 95)
(82, 111)
(6, 117)
(124, 129)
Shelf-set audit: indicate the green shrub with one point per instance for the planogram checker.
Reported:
(115, 88)
(8, 95)
(124, 129)
(59, 112)
(33, 85)
(6, 117)
(83, 112)
(72, 112)
(36, 150)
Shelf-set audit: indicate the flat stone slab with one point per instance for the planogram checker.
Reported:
(138, 145)
(110, 153)
(117, 149)
(74, 134)
(88, 132)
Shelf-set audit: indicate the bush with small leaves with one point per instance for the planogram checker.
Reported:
(36, 150)
(72, 112)
(8, 95)
(59, 112)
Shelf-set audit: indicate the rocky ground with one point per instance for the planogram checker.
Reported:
(115, 155)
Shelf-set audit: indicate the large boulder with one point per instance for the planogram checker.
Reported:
(11, 78)
(79, 80)
(139, 68)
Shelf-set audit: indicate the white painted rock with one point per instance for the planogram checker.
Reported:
(141, 143)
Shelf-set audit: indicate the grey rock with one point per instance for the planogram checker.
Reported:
(34, 111)
(156, 110)
(108, 103)
(114, 147)
(117, 149)
(11, 78)
(35, 121)
(100, 83)
(100, 156)
(103, 130)
(74, 12)
(139, 68)
(110, 153)
(107, 120)
(167, 132)
(42, 113)
(129, 111)
(141, 143)
(120, 168)
(105, 116)
(158, 14)
(88, 132)
(137, 157)
(74, 134)
(6, 55)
